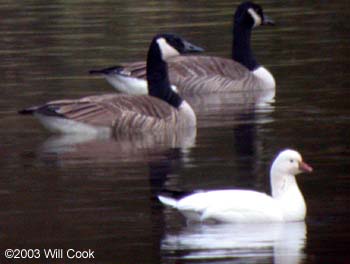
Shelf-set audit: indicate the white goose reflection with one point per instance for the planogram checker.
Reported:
(284, 242)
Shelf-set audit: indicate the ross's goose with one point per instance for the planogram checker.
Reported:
(244, 206)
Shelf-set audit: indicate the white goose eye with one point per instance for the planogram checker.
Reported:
(291, 161)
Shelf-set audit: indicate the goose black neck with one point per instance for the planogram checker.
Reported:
(241, 49)
(158, 79)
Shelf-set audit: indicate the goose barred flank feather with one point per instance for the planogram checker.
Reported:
(201, 74)
(118, 111)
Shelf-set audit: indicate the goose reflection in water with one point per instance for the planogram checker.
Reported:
(223, 109)
(123, 147)
(243, 243)
(139, 146)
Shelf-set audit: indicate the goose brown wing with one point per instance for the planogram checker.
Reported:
(185, 66)
(198, 74)
(135, 69)
(110, 110)
(201, 74)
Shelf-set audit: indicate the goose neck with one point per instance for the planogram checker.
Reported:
(158, 79)
(282, 184)
(241, 50)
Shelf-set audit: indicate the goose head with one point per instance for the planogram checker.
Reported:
(285, 167)
(290, 162)
(251, 15)
(163, 47)
(171, 45)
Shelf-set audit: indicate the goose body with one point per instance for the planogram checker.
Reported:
(205, 74)
(163, 109)
(110, 113)
(286, 204)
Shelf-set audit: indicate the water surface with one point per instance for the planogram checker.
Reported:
(81, 193)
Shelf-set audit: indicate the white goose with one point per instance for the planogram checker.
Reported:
(244, 206)
(206, 74)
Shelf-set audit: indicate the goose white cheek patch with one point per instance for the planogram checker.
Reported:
(255, 16)
(166, 50)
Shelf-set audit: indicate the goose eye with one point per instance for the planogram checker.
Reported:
(291, 161)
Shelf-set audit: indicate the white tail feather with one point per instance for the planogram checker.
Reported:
(168, 201)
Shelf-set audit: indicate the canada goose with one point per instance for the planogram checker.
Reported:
(163, 109)
(242, 206)
(206, 74)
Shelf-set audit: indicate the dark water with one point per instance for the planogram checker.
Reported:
(98, 194)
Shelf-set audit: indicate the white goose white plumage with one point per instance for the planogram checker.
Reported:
(245, 206)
